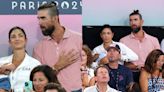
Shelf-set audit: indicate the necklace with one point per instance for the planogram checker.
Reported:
(115, 78)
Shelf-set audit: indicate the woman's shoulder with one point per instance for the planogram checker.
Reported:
(145, 73)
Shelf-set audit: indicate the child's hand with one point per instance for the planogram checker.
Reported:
(7, 68)
(10, 67)
(2, 70)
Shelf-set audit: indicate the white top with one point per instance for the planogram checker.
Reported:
(95, 89)
(126, 53)
(162, 45)
(90, 73)
(22, 72)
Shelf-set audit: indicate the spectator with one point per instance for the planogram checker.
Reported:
(60, 49)
(19, 64)
(86, 70)
(41, 75)
(102, 78)
(120, 76)
(151, 76)
(140, 42)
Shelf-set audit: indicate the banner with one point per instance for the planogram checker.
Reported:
(30, 6)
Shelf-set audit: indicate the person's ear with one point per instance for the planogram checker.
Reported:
(95, 78)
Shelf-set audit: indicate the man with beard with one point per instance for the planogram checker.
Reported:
(140, 42)
(60, 48)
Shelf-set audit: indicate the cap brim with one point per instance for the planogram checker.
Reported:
(113, 48)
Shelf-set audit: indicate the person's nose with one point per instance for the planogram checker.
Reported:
(40, 21)
(17, 38)
(36, 82)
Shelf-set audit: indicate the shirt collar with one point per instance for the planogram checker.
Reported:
(145, 35)
(108, 88)
(66, 33)
(23, 61)
(113, 42)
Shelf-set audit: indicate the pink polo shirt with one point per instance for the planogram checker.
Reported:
(47, 51)
(141, 48)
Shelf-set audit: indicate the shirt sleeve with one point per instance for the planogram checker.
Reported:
(156, 44)
(127, 54)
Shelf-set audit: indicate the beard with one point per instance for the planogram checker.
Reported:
(48, 31)
(136, 30)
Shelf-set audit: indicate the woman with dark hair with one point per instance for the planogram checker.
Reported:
(151, 76)
(41, 75)
(19, 64)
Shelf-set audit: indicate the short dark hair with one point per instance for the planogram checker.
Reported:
(152, 59)
(49, 73)
(136, 12)
(16, 27)
(52, 8)
(100, 66)
(56, 86)
(106, 26)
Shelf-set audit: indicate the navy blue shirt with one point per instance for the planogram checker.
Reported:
(120, 78)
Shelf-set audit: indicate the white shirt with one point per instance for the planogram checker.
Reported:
(22, 72)
(95, 89)
(126, 53)
(162, 45)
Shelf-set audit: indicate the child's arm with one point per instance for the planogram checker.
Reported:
(6, 68)
(10, 67)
